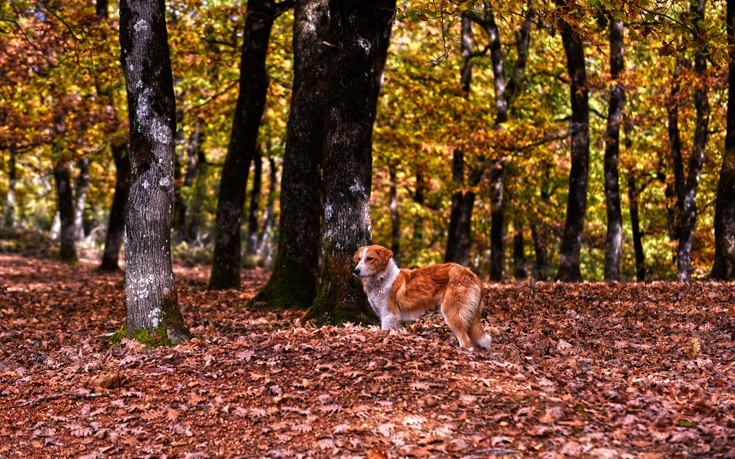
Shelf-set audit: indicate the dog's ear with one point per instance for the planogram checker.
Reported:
(384, 254)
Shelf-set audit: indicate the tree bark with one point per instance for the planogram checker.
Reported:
(253, 210)
(459, 236)
(497, 227)
(635, 222)
(81, 185)
(519, 255)
(724, 263)
(677, 163)
(571, 243)
(614, 241)
(265, 243)
(357, 31)
(696, 158)
(118, 211)
(152, 304)
(62, 177)
(395, 217)
(459, 239)
(10, 202)
(293, 281)
(243, 138)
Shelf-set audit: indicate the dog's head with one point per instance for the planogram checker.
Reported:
(371, 260)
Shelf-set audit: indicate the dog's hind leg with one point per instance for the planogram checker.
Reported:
(453, 309)
(477, 333)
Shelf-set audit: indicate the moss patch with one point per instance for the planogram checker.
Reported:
(287, 288)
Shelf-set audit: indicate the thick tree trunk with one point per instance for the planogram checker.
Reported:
(724, 264)
(571, 243)
(357, 31)
(118, 211)
(10, 202)
(253, 207)
(81, 185)
(243, 138)
(62, 177)
(459, 239)
(294, 278)
(635, 222)
(614, 241)
(152, 304)
(696, 159)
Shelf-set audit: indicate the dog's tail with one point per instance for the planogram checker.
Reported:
(477, 333)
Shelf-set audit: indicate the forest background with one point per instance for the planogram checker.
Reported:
(64, 111)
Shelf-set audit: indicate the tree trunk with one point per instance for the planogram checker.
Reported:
(265, 243)
(243, 138)
(81, 185)
(571, 243)
(696, 159)
(152, 304)
(395, 218)
(357, 31)
(293, 281)
(459, 239)
(541, 252)
(10, 203)
(614, 241)
(724, 264)
(62, 177)
(677, 163)
(497, 227)
(252, 243)
(118, 211)
(519, 255)
(640, 260)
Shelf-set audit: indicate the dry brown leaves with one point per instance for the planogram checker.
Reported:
(589, 370)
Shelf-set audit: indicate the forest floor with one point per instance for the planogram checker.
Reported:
(592, 370)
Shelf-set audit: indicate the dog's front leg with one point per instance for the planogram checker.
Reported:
(389, 321)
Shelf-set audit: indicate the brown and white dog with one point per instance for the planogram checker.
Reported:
(405, 294)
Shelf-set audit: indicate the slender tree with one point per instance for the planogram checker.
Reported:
(81, 185)
(118, 210)
(62, 177)
(294, 278)
(227, 255)
(579, 126)
(10, 203)
(152, 303)
(359, 34)
(614, 241)
(696, 157)
(724, 264)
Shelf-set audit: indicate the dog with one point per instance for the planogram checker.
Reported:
(398, 295)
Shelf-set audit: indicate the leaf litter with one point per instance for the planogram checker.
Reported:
(596, 370)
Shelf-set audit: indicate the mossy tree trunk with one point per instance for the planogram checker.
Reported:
(293, 281)
(152, 304)
(358, 33)
(724, 265)
(227, 256)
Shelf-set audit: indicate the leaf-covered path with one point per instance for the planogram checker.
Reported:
(595, 370)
